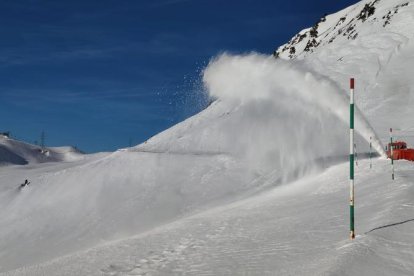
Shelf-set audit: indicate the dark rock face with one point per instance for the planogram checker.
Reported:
(8, 157)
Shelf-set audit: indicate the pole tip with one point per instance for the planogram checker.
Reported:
(352, 83)
(390, 129)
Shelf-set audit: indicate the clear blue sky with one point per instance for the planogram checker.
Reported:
(97, 73)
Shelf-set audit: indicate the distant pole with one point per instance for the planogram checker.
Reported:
(392, 154)
(370, 152)
(42, 139)
(351, 160)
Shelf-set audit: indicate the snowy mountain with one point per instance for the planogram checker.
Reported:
(256, 184)
(344, 27)
(371, 41)
(20, 153)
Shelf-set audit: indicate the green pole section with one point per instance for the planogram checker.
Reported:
(351, 161)
(392, 154)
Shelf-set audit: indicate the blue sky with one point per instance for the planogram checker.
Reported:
(99, 74)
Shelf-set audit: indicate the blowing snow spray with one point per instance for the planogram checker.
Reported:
(392, 154)
(351, 160)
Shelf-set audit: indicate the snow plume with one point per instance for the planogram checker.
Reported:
(289, 111)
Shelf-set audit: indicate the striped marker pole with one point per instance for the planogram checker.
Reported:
(392, 154)
(351, 160)
(370, 152)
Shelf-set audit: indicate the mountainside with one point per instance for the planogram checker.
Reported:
(345, 26)
(14, 152)
(373, 42)
(256, 184)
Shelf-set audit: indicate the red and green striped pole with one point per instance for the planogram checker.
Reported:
(351, 160)
(392, 154)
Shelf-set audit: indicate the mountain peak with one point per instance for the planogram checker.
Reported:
(344, 26)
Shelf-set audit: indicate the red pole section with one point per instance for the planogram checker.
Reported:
(392, 154)
(352, 83)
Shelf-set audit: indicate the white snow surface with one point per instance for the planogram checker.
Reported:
(295, 229)
(256, 184)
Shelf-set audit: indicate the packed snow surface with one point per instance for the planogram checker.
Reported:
(296, 229)
(256, 184)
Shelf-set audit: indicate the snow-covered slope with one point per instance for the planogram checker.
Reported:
(251, 185)
(297, 229)
(373, 42)
(344, 27)
(14, 152)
